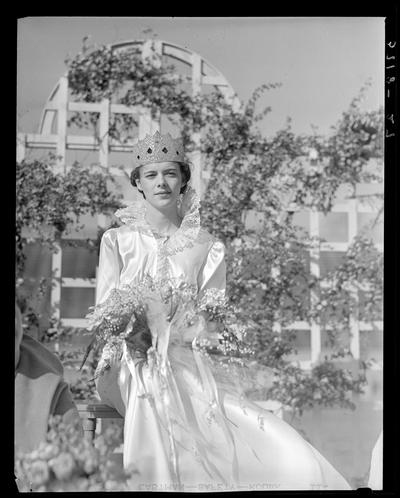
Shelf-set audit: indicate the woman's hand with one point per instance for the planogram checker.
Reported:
(139, 341)
(212, 330)
(213, 333)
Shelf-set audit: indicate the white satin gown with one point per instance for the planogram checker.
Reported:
(187, 426)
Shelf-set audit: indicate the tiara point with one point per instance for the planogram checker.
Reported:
(157, 148)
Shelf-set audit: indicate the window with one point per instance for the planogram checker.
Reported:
(38, 260)
(302, 219)
(333, 227)
(341, 338)
(79, 261)
(89, 228)
(301, 344)
(371, 345)
(297, 289)
(370, 306)
(75, 301)
(329, 260)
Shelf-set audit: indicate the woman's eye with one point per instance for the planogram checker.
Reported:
(172, 173)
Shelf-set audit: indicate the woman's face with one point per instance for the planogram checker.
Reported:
(161, 183)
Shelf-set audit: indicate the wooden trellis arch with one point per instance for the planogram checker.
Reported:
(55, 111)
(53, 132)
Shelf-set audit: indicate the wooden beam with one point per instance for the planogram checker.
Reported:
(276, 326)
(297, 325)
(78, 282)
(97, 410)
(334, 246)
(55, 296)
(21, 138)
(371, 326)
(103, 131)
(196, 74)
(315, 271)
(62, 99)
(124, 109)
(353, 319)
(74, 322)
(177, 53)
(37, 140)
(85, 106)
(82, 141)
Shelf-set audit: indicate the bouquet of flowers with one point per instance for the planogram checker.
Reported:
(66, 461)
(133, 314)
(130, 312)
(232, 333)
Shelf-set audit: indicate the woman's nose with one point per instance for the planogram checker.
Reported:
(160, 181)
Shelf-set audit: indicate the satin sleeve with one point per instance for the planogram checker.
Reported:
(213, 272)
(110, 265)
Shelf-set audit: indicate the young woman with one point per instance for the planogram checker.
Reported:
(187, 426)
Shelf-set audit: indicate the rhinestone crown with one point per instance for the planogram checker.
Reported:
(157, 148)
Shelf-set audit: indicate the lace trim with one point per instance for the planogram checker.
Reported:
(185, 236)
(134, 216)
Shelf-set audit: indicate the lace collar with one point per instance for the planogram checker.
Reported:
(134, 215)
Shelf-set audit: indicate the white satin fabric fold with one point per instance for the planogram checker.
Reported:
(186, 428)
(127, 255)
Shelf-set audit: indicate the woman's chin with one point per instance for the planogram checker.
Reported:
(163, 201)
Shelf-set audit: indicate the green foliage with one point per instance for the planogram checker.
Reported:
(84, 388)
(326, 385)
(66, 461)
(49, 203)
(61, 341)
(360, 270)
(126, 78)
(356, 139)
(31, 298)
(268, 270)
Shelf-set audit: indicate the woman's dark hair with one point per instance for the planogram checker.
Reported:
(185, 171)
